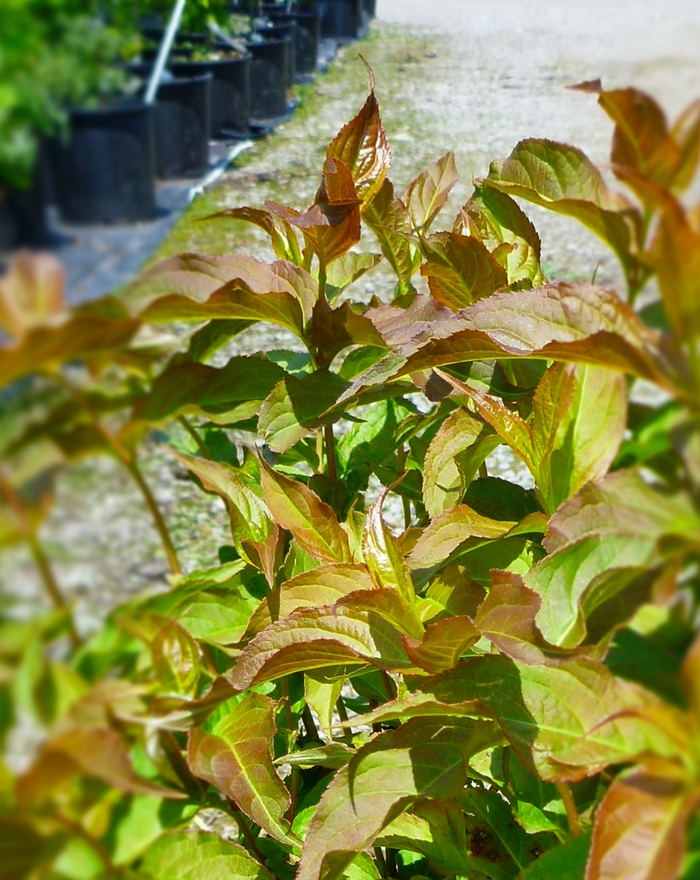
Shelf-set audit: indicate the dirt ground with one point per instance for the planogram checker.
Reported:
(467, 75)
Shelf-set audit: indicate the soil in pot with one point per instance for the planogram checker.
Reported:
(229, 90)
(307, 35)
(268, 79)
(104, 172)
(182, 120)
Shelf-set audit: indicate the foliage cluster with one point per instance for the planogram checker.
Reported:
(507, 685)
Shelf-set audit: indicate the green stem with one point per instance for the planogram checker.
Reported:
(343, 715)
(381, 863)
(572, 816)
(401, 467)
(331, 463)
(388, 684)
(310, 725)
(391, 866)
(158, 518)
(201, 445)
(52, 588)
(483, 470)
(243, 827)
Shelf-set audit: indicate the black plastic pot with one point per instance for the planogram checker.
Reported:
(284, 30)
(370, 7)
(105, 171)
(307, 36)
(341, 19)
(268, 79)
(182, 119)
(230, 91)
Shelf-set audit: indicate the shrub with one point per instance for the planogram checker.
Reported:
(503, 685)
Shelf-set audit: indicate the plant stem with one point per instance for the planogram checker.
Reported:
(570, 806)
(343, 715)
(401, 467)
(52, 588)
(381, 863)
(201, 445)
(310, 725)
(391, 866)
(331, 463)
(242, 823)
(483, 470)
(158, 519)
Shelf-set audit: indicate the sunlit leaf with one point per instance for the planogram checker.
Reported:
(427, 194)
(389, 220)
(236, 758)
(640, 825)
(312, 522)
(282, 236)
(443, 644)
(191, 855)
(421, 759)
(460, 270)
(31, 292)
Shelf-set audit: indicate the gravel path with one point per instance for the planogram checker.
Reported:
(478, 79)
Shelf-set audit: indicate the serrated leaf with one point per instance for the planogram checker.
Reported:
(363, 147)
(324, 585)
(209, 391)
(347, 269)
(421, 759)
(312, 522)
(562, 178)
(434, 829)
(426, 195)
(565, 862)
(389, 220)
(334, 330)
(175, 659)
(191, 855)
(236, 758)
(385, 563)
(295, 406)
(322, 697)
(495, 219)
(640, 825)
(563, 722)
(315, 638)
(282, 236)
(453, 458)
(443, 644)
(460, 270)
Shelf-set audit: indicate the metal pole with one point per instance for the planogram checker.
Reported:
(164, 51)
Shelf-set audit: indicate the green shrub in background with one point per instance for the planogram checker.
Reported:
(504, 683)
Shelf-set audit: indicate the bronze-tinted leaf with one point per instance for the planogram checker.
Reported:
(31, 292)
(427, 194)
(382, 555)
(312, 522)
(316, 638)
(334, 330)
(347, 269)
(362, 147)
(460, 270)
(236, 758)
(282, 236)
(190, 855)
(443, 644)
(640, 825)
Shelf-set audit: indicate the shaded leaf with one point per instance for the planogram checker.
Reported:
(336, 329)
(565, 862)
(236, 758)
(389, 220)
(282, 235)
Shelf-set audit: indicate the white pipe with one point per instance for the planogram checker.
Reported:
(164, 51)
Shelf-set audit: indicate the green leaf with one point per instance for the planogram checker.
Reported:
(143, 821)
(640, 824)
(236, 758)
(346, 270)
(389, 220)
(563, 722)
(453, 458)
(322, 697)
(563, 179)
(282, 236)
(385, 563)
(313, 523)
(427, 194)
(496, 219)
(293, 408)
(422, 759)
(434, 829)
(565, 862)
(176, 659)
(193, 855)
(442, 644)
(460, 270)
(334, 330)
(208, 391)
